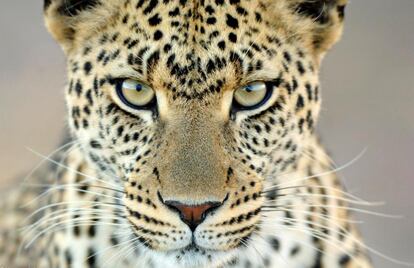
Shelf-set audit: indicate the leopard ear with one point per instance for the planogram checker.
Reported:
(70, 20)
(325, 18)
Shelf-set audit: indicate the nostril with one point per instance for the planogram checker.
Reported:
(192, 215)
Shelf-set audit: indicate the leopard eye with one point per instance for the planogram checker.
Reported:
(251, 96)
(135, 94)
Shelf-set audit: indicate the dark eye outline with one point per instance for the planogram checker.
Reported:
(270, 87)
(151, 106)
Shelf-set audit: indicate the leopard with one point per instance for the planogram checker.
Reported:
(191, 141)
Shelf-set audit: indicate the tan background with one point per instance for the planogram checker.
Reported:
(368, 87)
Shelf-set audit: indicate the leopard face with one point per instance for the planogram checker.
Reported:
(193, 107)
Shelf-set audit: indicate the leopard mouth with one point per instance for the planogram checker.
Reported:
(193, 248)
(196, 256)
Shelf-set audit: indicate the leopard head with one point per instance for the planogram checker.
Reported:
(192, 107)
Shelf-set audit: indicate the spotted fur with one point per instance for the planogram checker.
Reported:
(281, 204)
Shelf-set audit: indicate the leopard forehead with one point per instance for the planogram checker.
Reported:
(190, 47)
(187, 48)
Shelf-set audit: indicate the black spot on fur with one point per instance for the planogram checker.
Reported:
(344, 260)
(233, 37)
(150, 7)
(318, 260)
(274, 242)
(211, 20)
(46, 4)
(341, 12)
(68, 258)
(157, 35)
(154, 20)
(300, 103)
(87, 68)
(232, 22)
(91, 261)
(222, 45)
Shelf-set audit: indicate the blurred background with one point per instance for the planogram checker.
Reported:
(368, 90)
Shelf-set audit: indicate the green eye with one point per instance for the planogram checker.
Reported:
(135, 94)
(251, 96)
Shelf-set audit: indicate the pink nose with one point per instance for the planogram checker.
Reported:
(192, 215)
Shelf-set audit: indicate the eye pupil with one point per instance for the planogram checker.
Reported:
(249, 89)
(138, 87)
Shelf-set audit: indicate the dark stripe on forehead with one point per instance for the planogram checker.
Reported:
(237, 61)
(152, 61)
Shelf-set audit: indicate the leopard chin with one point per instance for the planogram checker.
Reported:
(194, 257)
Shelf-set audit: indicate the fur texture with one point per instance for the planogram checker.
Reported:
(281, 203)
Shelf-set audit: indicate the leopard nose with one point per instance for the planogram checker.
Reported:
(193, 215)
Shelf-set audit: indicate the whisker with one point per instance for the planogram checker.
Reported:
(318, 215)
(323, 173)
(346, 208)
(328, 188)
(83, 223)
(127, 249)
(341, 229)
(64, 157)
(313, 157)
(75, 188)
(353, 238)
(245, 243)
(71, 212)
(75, 171)
(70, 203)
(112, 247)
(44, 160)
(314, 233)
(259, 235)
(331, 197)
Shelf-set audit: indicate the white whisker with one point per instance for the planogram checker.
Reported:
(348, 208)
(295, 180)
(330, 197)
(45, 159)
(78, 223)
(75, 171)
(94, 203)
